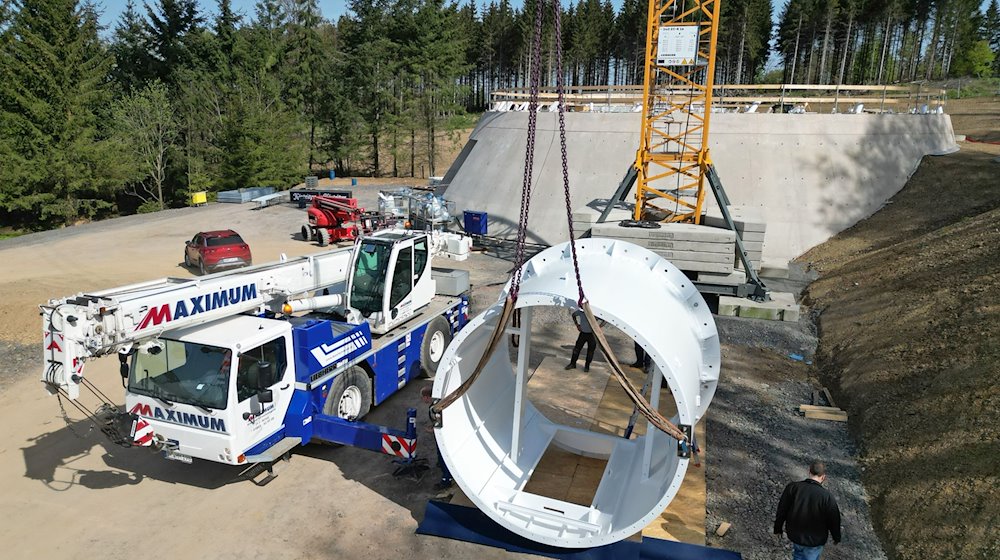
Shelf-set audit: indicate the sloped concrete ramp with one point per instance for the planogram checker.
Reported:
(811, 175)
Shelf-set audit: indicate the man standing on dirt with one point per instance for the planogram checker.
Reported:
(808, 512)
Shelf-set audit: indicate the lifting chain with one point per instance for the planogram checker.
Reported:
(643, 406)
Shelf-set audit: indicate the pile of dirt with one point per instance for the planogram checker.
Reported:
(909, 325)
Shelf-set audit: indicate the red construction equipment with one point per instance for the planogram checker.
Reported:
(334, 218)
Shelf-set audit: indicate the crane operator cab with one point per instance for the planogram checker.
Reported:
(390, 279)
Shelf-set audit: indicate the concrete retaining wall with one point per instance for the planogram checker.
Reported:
(811, 175)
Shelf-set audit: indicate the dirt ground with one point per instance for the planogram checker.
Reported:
(910, 341)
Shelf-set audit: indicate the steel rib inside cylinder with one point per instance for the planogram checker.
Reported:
(493, 437)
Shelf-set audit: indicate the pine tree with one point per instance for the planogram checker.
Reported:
(171, 26)
(225, 28)
(56, 165)
(373, 65)
(304, 68)
(991, 32)
(129, 46)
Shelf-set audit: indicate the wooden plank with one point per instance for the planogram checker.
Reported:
(829, 397)
(819, 408)
(834, 416)
(723, 528)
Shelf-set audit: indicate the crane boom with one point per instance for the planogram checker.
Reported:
(95, 324)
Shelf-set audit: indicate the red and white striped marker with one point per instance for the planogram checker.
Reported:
(399, 446)
(142, 433)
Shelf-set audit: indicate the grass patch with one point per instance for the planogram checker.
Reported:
(980, 87)
(9, 234)
(462, 121)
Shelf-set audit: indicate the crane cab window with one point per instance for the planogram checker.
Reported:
(402, 277)
(368, 280)
(183, 372)
(252, 371)
(419, 258)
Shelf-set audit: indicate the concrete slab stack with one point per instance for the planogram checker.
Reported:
(687, 246)
(585, 217)
(750, 226)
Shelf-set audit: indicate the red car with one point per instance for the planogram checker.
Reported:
(214, 250)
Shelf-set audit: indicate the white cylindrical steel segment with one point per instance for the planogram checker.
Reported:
(493, 437)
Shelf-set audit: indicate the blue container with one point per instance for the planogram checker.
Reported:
(333, 174)
(354, 181)
(475, 222)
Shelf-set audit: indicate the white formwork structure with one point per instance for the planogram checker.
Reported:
(493, 437)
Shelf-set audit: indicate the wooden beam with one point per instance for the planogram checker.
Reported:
(829, 397)
(817, 408)
(834, 416)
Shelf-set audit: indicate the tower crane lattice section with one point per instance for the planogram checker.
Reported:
(672, 161)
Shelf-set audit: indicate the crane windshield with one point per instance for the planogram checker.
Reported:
(368, 281)
(183, 372)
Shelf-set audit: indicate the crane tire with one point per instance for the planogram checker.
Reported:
(437, 336)
(306, 233)
(350, 396)
(323, 236)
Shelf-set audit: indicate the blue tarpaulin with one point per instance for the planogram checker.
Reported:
(471, 525)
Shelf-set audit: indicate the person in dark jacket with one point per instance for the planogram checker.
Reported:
(586, 336)
(807, 512)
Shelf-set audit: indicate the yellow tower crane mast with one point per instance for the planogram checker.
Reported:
(672, 162)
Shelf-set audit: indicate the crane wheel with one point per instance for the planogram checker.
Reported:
(306, 233)
(323, 236)
(436, 340)
(350, 396)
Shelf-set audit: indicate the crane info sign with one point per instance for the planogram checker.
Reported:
(677, 45)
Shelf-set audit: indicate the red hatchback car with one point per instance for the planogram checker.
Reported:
(214, 250)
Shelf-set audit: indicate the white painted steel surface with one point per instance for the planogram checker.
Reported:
(493, 437)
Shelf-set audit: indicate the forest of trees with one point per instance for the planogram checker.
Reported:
(175, 99)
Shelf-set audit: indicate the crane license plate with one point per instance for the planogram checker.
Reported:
(175, 456)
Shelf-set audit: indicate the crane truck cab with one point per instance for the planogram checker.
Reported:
(240, 367)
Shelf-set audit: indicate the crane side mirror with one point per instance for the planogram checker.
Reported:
(265, 396)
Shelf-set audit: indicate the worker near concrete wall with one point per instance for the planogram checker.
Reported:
(586, 336)
(808, 513)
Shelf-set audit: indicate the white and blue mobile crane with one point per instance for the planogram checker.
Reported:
(227, 368)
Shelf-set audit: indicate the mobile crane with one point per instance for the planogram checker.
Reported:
(226, 368)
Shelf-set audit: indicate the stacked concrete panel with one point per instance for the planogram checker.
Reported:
(687, 246)
(810, 176)
(751, 228)
(585, 217)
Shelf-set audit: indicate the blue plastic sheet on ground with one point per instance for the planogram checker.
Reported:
(471, 525)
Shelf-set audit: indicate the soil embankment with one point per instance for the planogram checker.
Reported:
(910, 339)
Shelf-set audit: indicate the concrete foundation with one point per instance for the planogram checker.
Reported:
(782, 307)
(811, 176)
